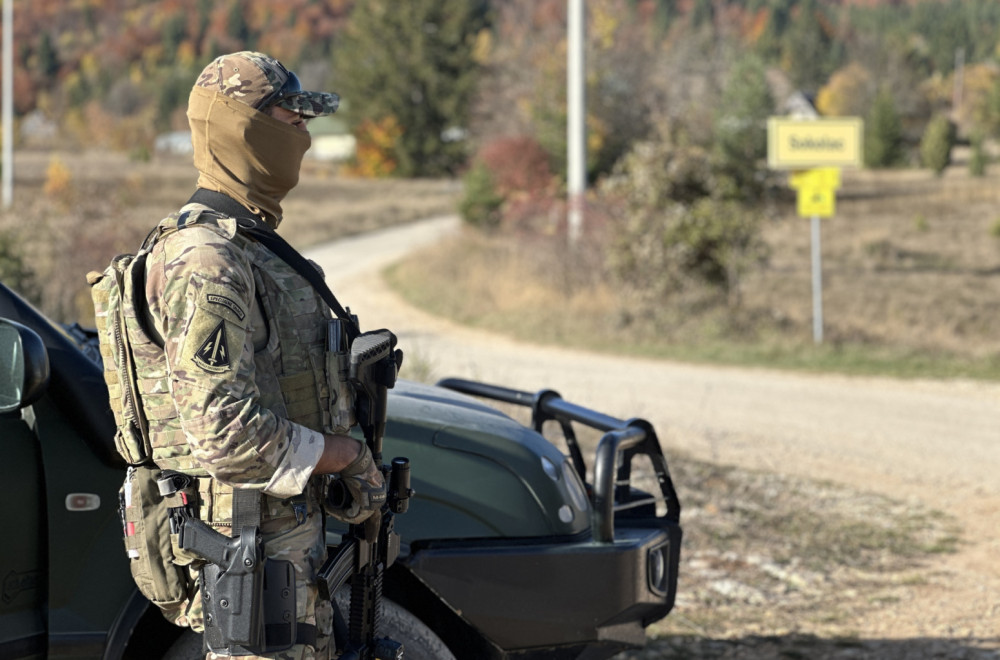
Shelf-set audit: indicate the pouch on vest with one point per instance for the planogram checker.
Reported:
(112, 293)
(341, 413)
(158, 565)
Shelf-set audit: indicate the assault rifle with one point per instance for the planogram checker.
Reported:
(369, 548)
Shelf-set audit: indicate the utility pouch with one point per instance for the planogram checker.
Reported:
(146, 527)
(338, 376)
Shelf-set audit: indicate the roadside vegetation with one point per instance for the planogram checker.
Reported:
(691, 249)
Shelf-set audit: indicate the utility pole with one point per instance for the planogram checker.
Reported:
(7, 108)
(576, 123)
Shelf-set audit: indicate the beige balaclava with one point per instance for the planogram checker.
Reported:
(238, 149)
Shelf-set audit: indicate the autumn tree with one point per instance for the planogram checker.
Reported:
(848, 93)
(412, 62)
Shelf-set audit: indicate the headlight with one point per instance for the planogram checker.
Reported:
(656, 569)
(577, 494)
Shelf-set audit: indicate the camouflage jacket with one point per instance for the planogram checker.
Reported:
(239, 391)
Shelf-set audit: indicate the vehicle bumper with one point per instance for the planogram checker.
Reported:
(563, 593)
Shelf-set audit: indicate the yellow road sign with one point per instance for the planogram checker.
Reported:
(819, 177)
(815, 201)
(813, 143)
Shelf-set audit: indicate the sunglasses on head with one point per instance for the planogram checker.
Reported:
(291, 87)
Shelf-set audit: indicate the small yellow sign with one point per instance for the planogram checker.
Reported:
(811, 143)
(820, 177)
(815, 201)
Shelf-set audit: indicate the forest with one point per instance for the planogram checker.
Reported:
(117, 72)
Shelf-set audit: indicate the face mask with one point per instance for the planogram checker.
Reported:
(244, 153)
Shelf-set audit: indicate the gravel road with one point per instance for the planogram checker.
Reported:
(936, 442)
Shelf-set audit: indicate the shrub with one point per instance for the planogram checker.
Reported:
(58, 180)
(883, 142)
(14, 271)
(978, 159)
(511, 183)
(482, 203)
(517, 164)
(673, 230)
(936, 144)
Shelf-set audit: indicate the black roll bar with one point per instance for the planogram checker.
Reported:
(612, 478)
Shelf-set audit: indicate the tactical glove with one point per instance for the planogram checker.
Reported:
(358, 491)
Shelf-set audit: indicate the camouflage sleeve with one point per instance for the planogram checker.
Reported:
(206, 289)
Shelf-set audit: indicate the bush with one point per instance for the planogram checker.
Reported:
(482, 203)
(677, 224)
(511, 183)
(936, 144)
(883, 132)
(712, 242)
(978, 159)
(14, 271)
(517, 164)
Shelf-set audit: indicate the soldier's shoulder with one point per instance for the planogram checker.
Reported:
(199, 238)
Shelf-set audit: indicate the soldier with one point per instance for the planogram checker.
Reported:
(240, 396)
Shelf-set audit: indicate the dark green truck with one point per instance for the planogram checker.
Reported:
(511, 548)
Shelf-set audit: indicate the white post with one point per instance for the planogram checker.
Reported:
(576, 124)
(8, 103)
(817, 273)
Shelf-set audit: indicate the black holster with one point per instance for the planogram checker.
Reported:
(248, 600)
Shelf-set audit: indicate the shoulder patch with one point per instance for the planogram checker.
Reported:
(228, 303)
(213, 355)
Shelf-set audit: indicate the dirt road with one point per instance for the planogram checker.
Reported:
(938, 442)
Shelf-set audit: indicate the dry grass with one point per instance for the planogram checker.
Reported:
(911, 285)
(73, 211)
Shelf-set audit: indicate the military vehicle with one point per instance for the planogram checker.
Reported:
(512, 548)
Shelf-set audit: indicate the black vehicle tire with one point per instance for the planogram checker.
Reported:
(187, 647)
(420, 642)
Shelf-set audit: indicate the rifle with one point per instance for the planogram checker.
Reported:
(369, 548)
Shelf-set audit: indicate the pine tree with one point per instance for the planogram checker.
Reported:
(883, 132)
(741, 124)
(413, 62)
(48, 58)
(807, 50)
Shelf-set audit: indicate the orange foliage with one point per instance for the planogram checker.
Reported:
(376, 141)
(58, 180)
(847, 93)
(758, 25)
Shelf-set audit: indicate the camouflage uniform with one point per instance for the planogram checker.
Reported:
(239, 394)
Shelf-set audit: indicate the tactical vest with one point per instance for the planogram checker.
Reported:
(293, 368)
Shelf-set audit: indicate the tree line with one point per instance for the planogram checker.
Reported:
(678, 96)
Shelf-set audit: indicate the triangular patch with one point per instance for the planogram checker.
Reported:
(214, 353)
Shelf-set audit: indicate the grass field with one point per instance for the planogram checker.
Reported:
(911, 265)
(910, 284)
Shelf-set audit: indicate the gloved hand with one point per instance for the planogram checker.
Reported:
(358, 491)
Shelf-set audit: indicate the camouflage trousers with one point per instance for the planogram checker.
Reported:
(304, 546)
